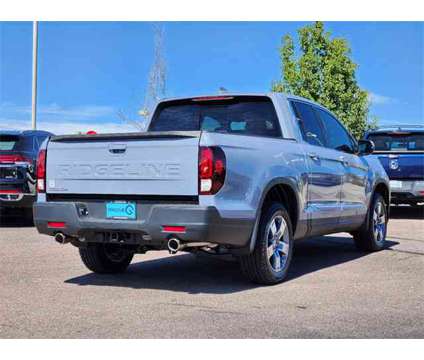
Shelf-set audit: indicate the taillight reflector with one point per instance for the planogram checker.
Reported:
(56, 224)
(11, 159)
(173, 229)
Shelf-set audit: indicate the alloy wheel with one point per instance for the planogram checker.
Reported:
(379, 222)
(277, 233)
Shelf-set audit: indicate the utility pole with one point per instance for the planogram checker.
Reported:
(157, 77)
(34, 74)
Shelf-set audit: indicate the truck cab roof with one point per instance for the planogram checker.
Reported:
(24, 132)
(235, 94)
(387, 129)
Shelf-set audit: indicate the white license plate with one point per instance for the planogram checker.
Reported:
(401, 185)
(395, 184)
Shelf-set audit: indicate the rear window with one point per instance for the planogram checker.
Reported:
(8, 142)
(230, 115)
(398, 142)
(16, 143)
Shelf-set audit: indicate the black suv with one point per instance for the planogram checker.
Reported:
(18, 155)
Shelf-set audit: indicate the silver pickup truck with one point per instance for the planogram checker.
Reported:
(237, 173)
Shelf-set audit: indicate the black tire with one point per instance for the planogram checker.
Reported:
(366, 239)
(257, 266)
(105, 258)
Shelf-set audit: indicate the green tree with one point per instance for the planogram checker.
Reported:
(325, 73)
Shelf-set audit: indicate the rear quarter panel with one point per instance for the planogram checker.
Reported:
(253, 163)
(376, 175)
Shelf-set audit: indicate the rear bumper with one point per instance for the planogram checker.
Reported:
(407, 191)
(406, 198)
(17, 200)
(202, 223)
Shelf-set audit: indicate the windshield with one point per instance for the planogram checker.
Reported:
(398, 142)
(232, 115)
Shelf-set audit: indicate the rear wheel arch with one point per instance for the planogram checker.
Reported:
(269, 262)
(372, 234)
(278, 190)
(382, 189)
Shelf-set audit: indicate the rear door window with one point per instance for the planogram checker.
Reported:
(230, 115)
(309, 123)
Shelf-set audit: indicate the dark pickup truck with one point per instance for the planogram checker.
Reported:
(18, 155)
(401, 152)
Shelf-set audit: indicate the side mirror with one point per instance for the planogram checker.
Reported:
(365, 147)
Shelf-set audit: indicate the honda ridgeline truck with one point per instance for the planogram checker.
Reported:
(240, 174)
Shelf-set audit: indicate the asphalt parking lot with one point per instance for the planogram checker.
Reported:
(333, 291)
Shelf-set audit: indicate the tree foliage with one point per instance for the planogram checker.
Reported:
(324, 72)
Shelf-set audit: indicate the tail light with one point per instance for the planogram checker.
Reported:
(212, 166)
(11, 159)
(41, 171)
(11, 191)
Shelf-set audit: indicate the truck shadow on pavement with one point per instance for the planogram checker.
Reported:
(407, 212)
(194, 275)
(14, 218)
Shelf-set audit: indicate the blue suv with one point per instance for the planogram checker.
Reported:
(401, 152)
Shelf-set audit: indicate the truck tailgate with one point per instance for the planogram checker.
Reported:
(403, 166)
(152, 163)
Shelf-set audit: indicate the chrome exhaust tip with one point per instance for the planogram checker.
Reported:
(174, 245)
(61, 238)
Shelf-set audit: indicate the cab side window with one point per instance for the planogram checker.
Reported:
(309, 124)
(337, 136)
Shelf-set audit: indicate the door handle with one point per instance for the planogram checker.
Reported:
(313, 156)
(117, 151)
(343, 160)
(117, 148)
